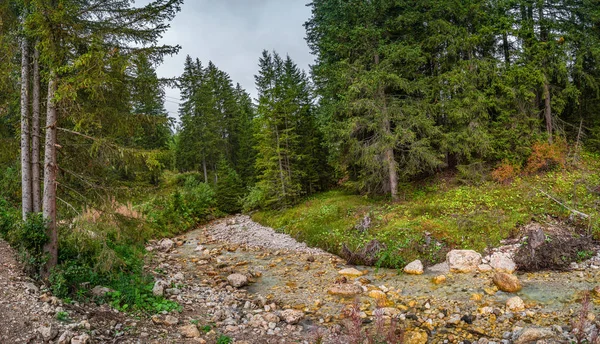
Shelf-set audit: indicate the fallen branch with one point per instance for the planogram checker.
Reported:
(574, 211)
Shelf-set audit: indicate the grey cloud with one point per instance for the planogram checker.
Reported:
(232, 34)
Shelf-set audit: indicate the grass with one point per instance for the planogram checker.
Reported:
(441, 214)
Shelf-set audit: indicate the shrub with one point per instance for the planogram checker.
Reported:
(29, 238)
(546, 157)
(8, 217)
(505, 172)
(254, 199)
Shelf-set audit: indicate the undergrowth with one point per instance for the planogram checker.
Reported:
(440, 214)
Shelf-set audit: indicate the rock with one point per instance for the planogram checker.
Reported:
(270, 317)
(149, 248)
(31, 288)
(415, 337)
(414, 268)
(454, 319)
(171, 320)
(502, 262)
(441, 268)
(350, 272)
(532, 335)
(178, 277)
(468, 318)
(507, 283)
(189, 331)
(166, 245)
(484, 268)
(439, 279)
(48, 332)
(159, 288)
(81, 339)
(65, 337)
(463, 260)
(345, 290)
(536, 237)
(291, 316)
(100, 291)
(377, 295)
(515, 304)
(237, 280)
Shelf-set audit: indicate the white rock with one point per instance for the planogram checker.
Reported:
(463, 260)
(515, 304)
(414, 268)
(159, 288)
(484, 268)
(48, 332)
(350, 272)
(237, 280)
(503, 262)
(166, 245)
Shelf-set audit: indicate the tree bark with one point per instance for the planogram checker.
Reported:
(50, 169)
(35, 135)
(387, 134)
(25, 153)
(548, 111)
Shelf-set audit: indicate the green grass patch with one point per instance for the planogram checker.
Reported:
(439, 215)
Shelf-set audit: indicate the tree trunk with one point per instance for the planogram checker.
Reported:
(280, 162)
(204, 168)
(50, 169)
(25, 154)
(387, 133)
(548, 111)
(35, 135)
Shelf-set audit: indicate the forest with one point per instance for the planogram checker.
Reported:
(453, 120)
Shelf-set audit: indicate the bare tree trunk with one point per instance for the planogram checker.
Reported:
(548, 111)
(50, 169)
(35, 135)
(25, 154)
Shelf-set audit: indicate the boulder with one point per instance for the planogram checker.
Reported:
(159, 288)
(502, 262)
(506, 282)
(47, 332)
(532, 335)
(166, 245)
(100, 291)
(484, 268)
(463, 260)
(237, 280)
(291, 316)
(441, 268)
(414, 268)
(189, 331)
(345, 290)
(515, 304)
(350, 272)
(171, 320)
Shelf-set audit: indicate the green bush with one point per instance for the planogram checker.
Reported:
(29, 238)
(8, 217)
(254, 199)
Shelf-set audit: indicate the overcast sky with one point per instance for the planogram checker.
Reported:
(232, 34)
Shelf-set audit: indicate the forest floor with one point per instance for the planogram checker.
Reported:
(240, 282)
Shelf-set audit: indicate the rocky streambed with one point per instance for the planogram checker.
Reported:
(258, 286)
